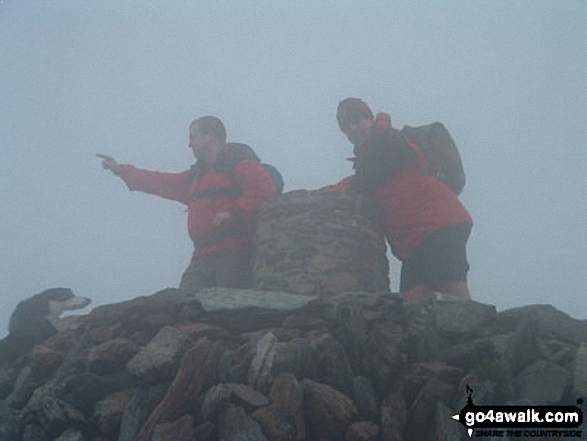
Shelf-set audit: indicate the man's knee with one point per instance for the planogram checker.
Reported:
(455, 288)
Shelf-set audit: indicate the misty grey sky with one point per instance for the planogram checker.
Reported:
(507, 78)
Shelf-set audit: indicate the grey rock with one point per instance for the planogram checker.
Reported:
(42, 363)
(470, 354)
(180, 430)
(362, 431)
(141, 318)
(423, 339)
(580, 372)
(215, 402)
(551, 322)
(456, 316)
(71, 435)
(523, 348)
(500, 342)
(302, 321)
(557, 351)
(85, 390)
(205, 432)
(364, 397)
(235, 365)
(283, 420)
(246, 397)
(260, 374)
(24, 386)
(133, 417)
(169, 300)
(32, 432)
(542, 382)
(51, 412)
(237, 426)
(138, 409)
(353, 331)
(328, 412)
(111, 356)
(445, 428)
(10, 427)
(160, 358)
(422, 373)
(305, 351)
(383, 358)
(337, 307)
(288, 357)
(393, 417)
(7, 379)
(421, 424)
(334, 364)
(221, 299)
(198, 372)
(240, 311)
(274, 425)
(109, 411)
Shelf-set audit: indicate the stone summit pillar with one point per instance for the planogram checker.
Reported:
(311, 242)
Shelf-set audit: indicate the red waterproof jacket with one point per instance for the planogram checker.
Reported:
(210, 192)
(414, 204)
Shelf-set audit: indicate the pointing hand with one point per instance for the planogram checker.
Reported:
(109, 163)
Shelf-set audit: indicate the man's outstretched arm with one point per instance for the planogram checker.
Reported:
(174, 186)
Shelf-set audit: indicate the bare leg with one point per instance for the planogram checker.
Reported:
(455, 288)
(419, 294)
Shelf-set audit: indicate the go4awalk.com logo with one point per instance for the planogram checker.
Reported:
(521, 421)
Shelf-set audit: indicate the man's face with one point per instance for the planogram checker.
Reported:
(358, 131)
(200, 143)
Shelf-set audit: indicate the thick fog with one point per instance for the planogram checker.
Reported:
(507, 78)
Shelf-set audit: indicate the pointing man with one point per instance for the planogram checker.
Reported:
(222, 191)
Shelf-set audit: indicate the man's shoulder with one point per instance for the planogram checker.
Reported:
(238, 151)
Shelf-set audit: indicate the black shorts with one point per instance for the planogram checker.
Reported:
(440, 258)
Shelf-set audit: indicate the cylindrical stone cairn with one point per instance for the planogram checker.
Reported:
(312, 242)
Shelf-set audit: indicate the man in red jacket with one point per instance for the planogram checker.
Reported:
(222, 191)
(426, 225)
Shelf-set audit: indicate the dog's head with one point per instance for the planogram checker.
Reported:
(63, 299)
(49, 304)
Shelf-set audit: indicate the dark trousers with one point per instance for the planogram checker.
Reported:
(440, 258)
(228, 270)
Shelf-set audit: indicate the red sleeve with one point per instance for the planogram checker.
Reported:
(174, 186)
(256, 186)
(343, 185)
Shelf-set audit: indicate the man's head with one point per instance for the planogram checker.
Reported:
(355, 119)
(207, 138)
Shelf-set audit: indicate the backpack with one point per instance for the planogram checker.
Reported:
(236, 153)
(440, 152)
(246, 150)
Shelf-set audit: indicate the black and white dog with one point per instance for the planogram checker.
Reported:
(36, 319)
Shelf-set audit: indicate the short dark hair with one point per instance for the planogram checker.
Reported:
(210, 125)
(352, 110)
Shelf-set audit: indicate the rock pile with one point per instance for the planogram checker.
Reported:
(250, 365)
(310, 242)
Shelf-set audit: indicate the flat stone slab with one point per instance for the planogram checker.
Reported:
(216, 299)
